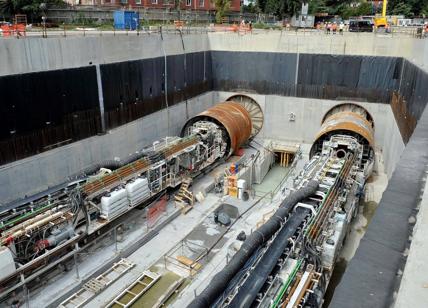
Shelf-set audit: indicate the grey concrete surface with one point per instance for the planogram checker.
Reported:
(40, 54)
(37, 173)
(47, 169)
(373, 276)
(309, 113)
(413, 290)
(415, 50)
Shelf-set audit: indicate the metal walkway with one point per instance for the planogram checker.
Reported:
(133, 292)
(97, 285)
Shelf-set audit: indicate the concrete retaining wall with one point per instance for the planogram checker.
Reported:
(368, 44)
(39, 172)
(36, 54)
(308, 116)
(39, 54)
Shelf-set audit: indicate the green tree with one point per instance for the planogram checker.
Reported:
(251, 7)
(424, 11)
(318, 6)
(343, 8)
(272, 7)
(291, 7)
(408, 7)
(346, 11)
(364, 8)
(417, 6)
(33, 8)
(403, 9)
(280, 8)
(221, 8)
(261, 4)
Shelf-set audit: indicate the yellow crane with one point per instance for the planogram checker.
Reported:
(382, 22)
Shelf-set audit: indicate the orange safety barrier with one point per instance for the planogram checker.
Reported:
(6, 30)
(18, 29)
(233, 28)
(156, 210)
(178, 24)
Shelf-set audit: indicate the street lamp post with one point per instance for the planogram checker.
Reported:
(45, 35)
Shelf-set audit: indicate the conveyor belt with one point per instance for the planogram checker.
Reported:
(116, 176)
(124, 173)
(17, 203)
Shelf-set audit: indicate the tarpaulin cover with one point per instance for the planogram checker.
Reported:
(265, 73)
(308, 75)
(338, 77)
(134, 89)
(48, 108)
(414, 89)
(42, 109)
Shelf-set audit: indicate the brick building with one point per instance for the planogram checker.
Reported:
(200, 5)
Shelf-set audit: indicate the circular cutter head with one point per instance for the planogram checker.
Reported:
(230, 116)
(347, 119)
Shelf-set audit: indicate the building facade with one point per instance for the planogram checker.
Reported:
(199, 5)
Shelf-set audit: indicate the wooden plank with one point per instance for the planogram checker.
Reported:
(189, 262)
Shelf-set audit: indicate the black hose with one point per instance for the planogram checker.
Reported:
(251, 287)
(256, 239)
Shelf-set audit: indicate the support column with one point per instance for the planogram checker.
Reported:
(76, 266)
(100, 98)
(296, 80)
(165, 80)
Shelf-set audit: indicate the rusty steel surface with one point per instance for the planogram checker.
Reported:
(234, 118)
(124, 173)
(406, 122)
(350, 107)
(348, 121)
(179, 146)
(116, 176)
(253, 108)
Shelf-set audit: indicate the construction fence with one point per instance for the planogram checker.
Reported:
(82, 14)
(156, 211)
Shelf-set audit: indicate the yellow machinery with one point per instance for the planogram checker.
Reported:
(382, 22)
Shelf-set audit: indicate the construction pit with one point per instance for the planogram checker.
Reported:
(216, 169)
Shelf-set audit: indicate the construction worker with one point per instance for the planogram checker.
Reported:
(341, 27)
(334, 28)
(388, 28)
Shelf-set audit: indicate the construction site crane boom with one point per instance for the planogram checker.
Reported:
(382, 22)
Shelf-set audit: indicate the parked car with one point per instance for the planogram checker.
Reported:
(360, 26)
